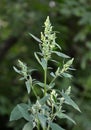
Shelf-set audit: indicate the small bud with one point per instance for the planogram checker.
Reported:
(68, 91)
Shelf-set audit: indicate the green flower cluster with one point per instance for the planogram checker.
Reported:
(48, 40)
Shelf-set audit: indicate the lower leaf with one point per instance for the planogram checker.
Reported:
(28, 126)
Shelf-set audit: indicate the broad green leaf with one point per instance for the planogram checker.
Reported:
(61, 54)
(15, 114)
(16, 70)
(69, 101)
(54, 126)
(42, 120)
(66, 75)
(37, 39)
(28, 126)
(20, 111)
(24, 111)
(63, 115)
(28, 85)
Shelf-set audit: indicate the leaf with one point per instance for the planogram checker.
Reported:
(37, 39)
(16, 70)
(28, 85)
(69, 63)
(51, 85)
(68, 91)
(44, 63)
(15, 114)
(28, 126)
(52, 74)
(20, 111)
(41, 84)
(36, 56)
(22, 78)
(31, 70)
(61, 54)
(67, 75)
(44, 99)
(69, 101)
(42, 120)
(24, 111)
(58, 46)
(54, 61)
(63, 115)
(72, 69)
(54, 126)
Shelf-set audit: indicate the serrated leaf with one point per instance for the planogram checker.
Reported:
(20, 111)
(54, 126)
(69, 101)
(61, 54)
(42, 120)
(37, 39)
(28, 126)
(28, 86)
(63, 115)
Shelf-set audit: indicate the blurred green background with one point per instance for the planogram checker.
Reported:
(72, 18)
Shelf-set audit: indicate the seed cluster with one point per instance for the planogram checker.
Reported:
(48, 40)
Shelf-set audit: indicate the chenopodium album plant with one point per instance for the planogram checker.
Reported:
(42, 113)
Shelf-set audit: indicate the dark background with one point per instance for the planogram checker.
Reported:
(72, 18)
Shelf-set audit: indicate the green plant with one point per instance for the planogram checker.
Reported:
(43, 112)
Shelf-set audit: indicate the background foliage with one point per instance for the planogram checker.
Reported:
(72, 19)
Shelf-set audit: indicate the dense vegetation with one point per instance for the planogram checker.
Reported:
(72, 19)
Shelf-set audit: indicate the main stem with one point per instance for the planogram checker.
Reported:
(45, 79)
(38, 125)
